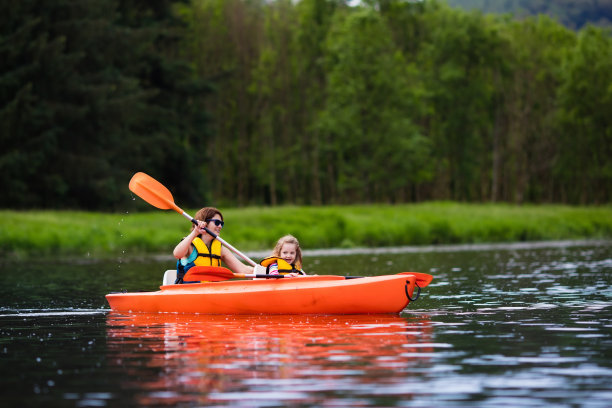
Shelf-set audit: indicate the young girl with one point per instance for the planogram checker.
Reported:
(200, 248)
(286, 258)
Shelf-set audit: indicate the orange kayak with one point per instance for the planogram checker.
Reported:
(325, 294)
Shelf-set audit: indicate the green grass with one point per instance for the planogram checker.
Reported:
(68, 233)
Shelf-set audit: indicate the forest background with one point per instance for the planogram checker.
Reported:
(315, 102)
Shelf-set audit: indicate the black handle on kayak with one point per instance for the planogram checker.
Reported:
(408, 295)
(266, 276)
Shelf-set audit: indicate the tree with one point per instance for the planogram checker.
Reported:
(458, 62)
(224, 43)
(584, 161)
(86, 98)
(373, 144)
(529, 106)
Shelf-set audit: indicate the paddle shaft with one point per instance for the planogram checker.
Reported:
(422, 278)
(260, 276)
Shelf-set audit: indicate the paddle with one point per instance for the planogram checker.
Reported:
(422, 279)
(156, 194)
(219, 273)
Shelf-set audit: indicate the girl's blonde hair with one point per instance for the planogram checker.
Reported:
(289, 239)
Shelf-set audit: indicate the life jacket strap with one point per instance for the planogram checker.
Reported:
(180, 272)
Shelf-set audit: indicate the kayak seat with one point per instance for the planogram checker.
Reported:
(169, 277)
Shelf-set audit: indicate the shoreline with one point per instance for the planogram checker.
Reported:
(328, 230)
(325, 252)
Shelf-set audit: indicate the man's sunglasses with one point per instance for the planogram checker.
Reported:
(217, 222)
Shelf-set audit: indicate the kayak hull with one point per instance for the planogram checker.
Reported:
(327, 294)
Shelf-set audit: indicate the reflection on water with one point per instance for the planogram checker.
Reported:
(523, 326)
(237, 360)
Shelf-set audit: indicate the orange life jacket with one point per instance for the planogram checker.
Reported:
(284, 267)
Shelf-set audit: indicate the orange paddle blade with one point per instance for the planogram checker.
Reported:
(208, 273)
(153, 192)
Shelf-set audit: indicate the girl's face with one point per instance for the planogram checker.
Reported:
(288, 252)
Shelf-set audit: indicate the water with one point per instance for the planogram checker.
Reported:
(522, 326)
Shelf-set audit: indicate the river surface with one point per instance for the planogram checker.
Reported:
(499, 326)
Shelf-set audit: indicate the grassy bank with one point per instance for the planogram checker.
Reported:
(43, 233)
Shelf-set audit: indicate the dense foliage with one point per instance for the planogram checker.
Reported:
(571, 13)
(90, 92)
(238, 102)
